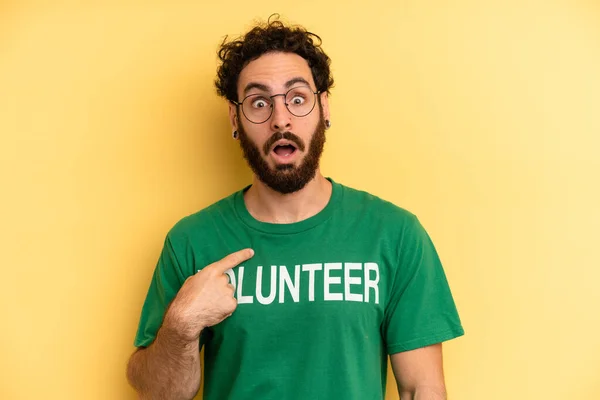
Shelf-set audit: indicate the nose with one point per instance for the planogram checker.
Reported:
(281, 120)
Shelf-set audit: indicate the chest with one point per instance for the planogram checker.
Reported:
(327, 280)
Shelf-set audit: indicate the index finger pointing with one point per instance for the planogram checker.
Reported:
(233, 260)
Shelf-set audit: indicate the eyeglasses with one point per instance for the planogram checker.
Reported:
(258, 108)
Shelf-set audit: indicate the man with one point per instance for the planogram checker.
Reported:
(298, 287)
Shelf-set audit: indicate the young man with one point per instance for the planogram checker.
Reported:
(297, 286)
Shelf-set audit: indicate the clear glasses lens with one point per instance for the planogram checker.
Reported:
(258, 108)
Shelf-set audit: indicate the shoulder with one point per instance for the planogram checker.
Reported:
(374, 207)
(206, 220)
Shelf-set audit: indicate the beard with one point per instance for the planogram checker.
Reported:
(285, 178)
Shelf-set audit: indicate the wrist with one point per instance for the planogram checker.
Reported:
(178, 328)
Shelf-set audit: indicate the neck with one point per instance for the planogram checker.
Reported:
(267, 205)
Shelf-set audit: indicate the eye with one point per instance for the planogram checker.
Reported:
(260, 103)
(297, 100)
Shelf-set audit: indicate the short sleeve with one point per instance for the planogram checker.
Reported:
(166, 282)
(421, 310)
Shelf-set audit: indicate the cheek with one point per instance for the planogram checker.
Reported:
(257, 134)
(307, 128)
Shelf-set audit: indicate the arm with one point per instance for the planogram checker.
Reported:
(419, 373)
(167, 369)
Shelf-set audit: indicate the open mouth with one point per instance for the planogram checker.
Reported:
(284, 149)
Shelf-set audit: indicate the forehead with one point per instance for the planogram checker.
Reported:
(273, 70)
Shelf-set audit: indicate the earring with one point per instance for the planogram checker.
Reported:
(328, 123)
(235, 135)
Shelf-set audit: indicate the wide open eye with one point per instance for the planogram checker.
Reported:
(260, 102)
(297, 100)
(298, 96)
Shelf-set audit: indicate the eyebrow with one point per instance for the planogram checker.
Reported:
(295, 80)
(265, 88)
(255, 85)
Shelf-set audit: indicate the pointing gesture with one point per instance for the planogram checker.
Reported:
(206, 298)
(230, 261)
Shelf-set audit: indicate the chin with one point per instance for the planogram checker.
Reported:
(285, 168)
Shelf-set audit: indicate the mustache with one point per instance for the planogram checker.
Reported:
(283, 135)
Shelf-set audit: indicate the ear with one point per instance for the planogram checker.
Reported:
(325, 104)
(233, 120)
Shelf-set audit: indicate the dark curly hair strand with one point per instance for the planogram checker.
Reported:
(272, 36)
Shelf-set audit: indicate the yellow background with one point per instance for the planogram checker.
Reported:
(482, 117)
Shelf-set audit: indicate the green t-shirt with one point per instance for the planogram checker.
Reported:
(321, 303)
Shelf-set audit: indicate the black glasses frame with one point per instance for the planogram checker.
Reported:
(241, 104)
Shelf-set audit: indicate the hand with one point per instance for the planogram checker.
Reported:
(206, 298)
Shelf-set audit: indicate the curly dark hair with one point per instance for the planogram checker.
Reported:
(272, 36)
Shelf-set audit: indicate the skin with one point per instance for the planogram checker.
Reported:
(419, 373)
(170, 366)
(274, 70)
